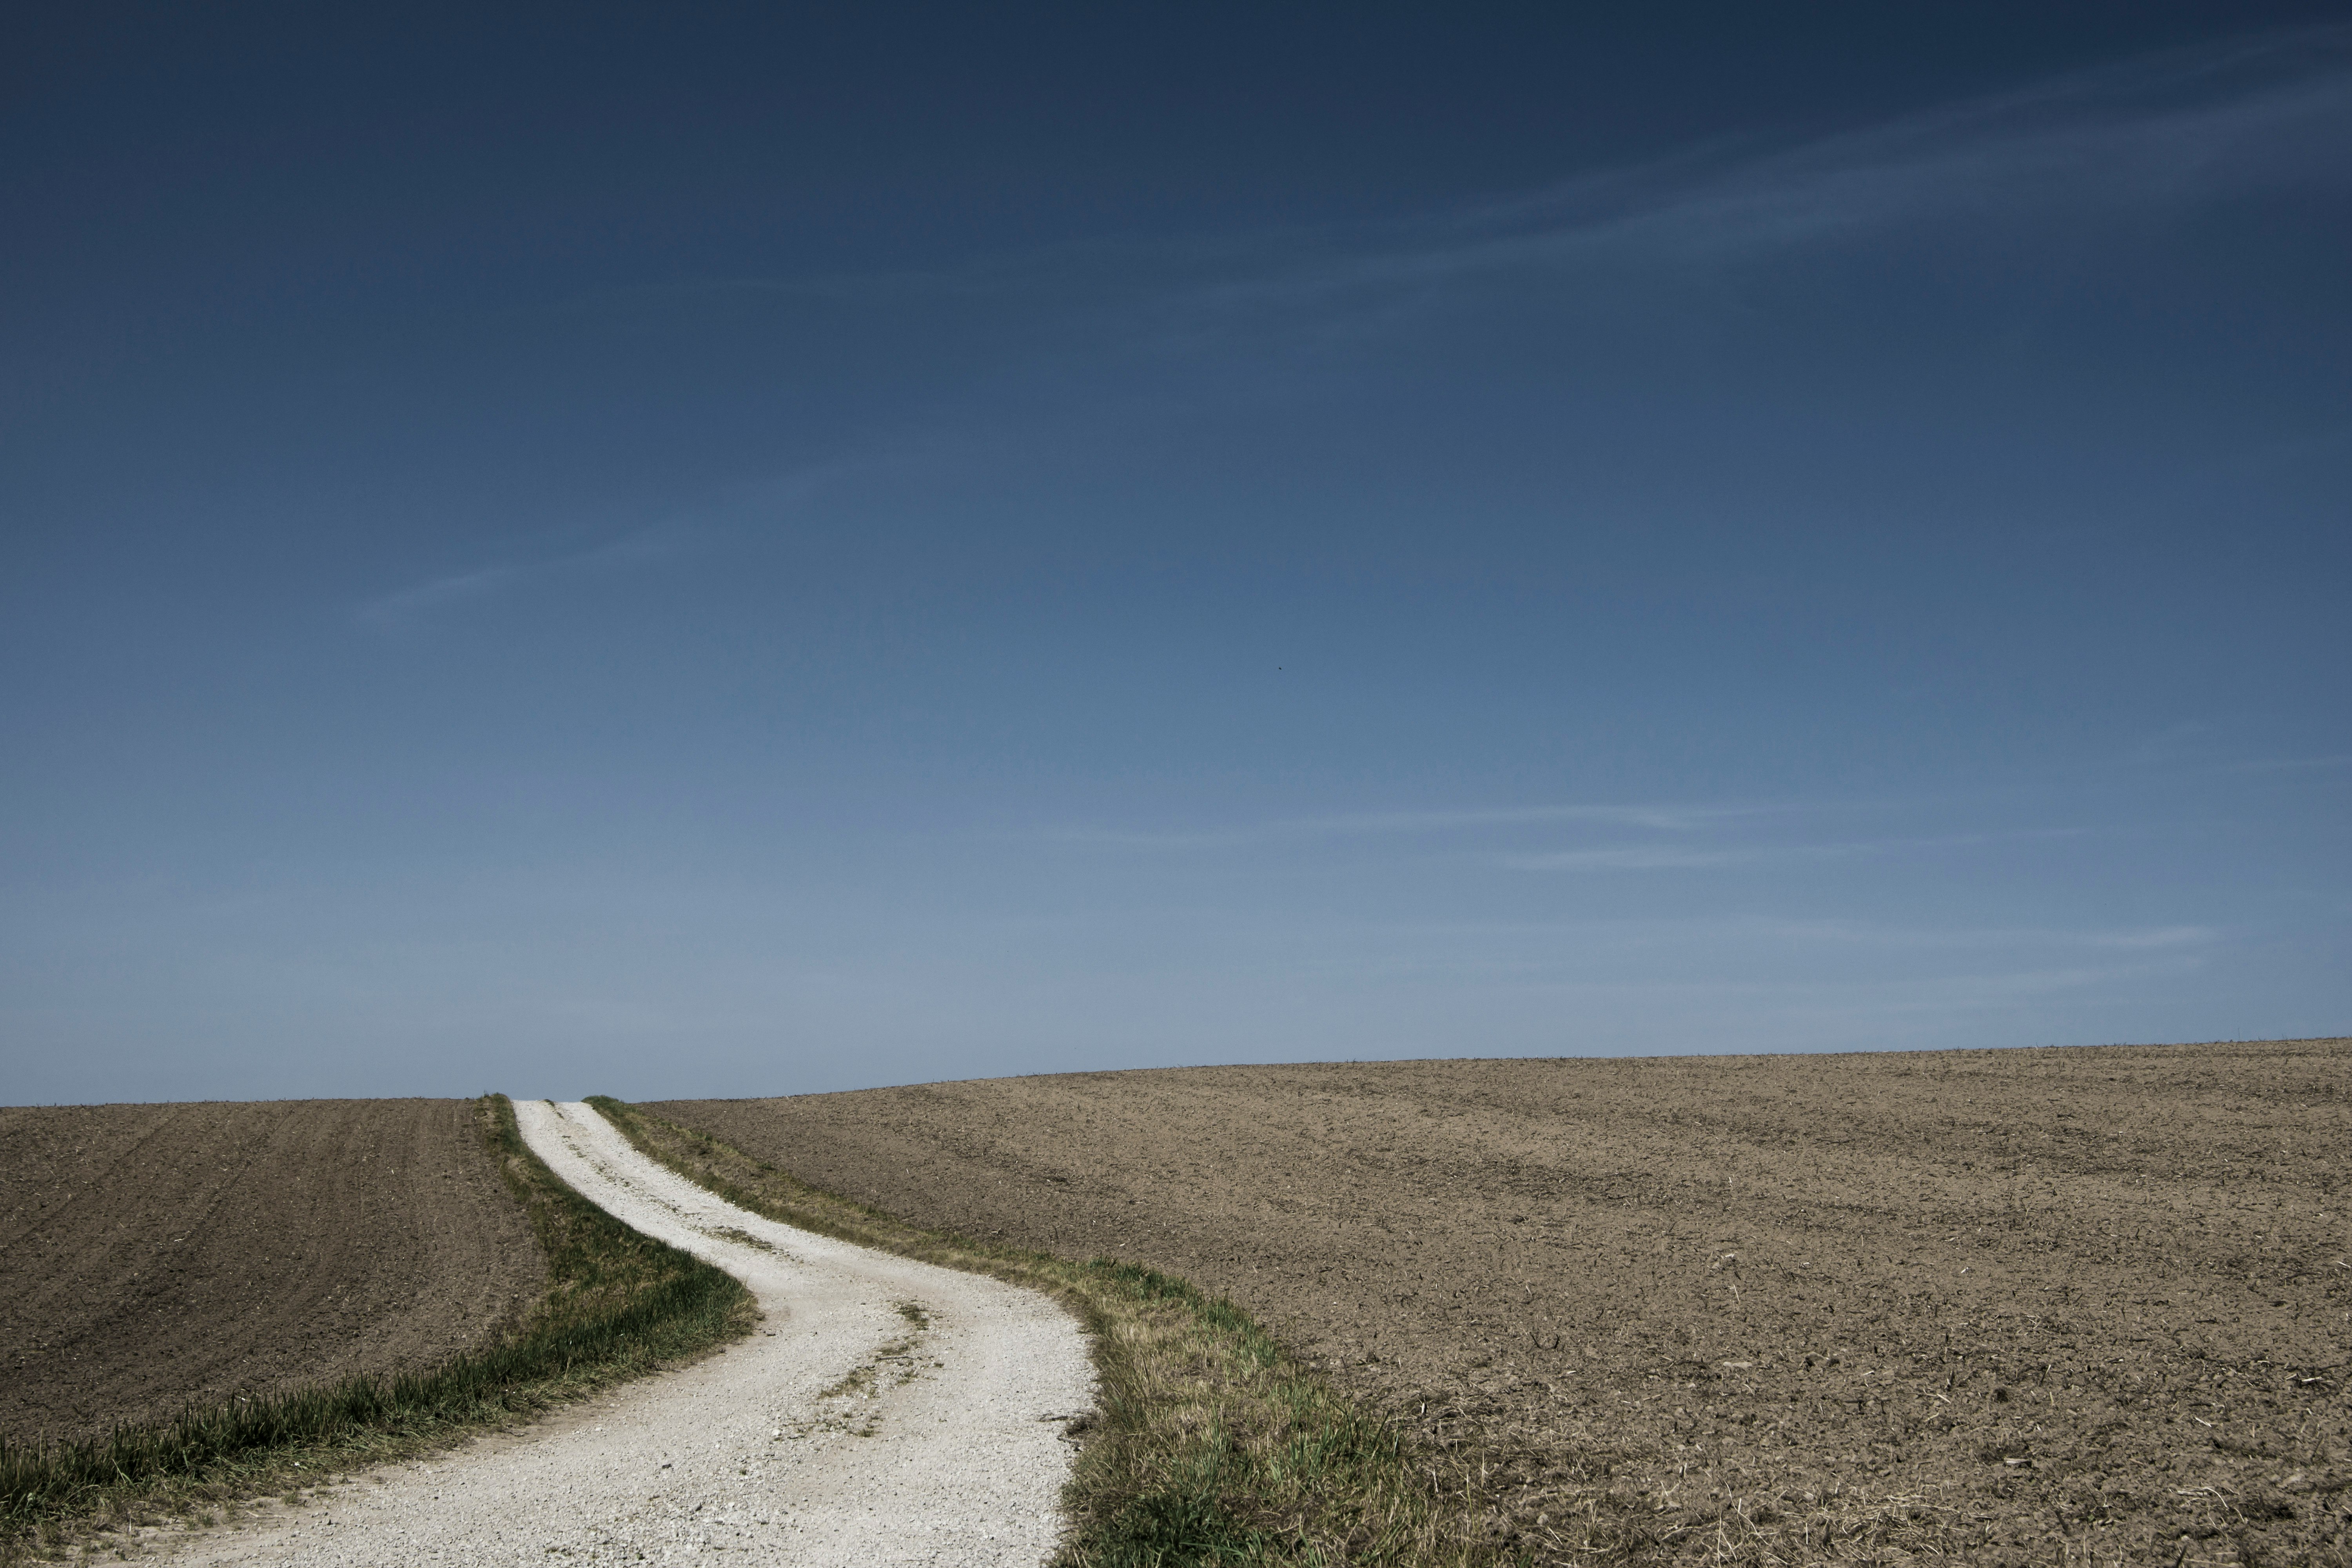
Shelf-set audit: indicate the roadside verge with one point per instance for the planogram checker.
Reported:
(1213, 1445)
(617, 1304)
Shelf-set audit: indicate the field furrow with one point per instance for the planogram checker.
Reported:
(2007, 1305)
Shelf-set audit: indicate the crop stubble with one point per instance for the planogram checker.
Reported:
(151, 1255)
(2020, 1305)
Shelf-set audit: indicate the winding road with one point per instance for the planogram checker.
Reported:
(886, 1412)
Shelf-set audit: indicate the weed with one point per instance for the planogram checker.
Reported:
(741, 1237)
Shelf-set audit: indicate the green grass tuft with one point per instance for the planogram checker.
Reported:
(1164, 1529)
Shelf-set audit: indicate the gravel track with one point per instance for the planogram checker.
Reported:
(845, 1430)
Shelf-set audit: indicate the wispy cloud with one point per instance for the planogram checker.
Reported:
(1675, 837)
(2293, 764)
(407, 604)
(1858, 933)
(420, 601)
(1676, 857)
(2186, 128)
(1658, 857)
(1664, 817)
(2178, 129)
(1764, 932)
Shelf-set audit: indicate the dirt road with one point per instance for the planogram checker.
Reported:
(2029, 1305)
(886, 1412)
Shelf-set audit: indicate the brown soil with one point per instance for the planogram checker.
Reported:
(150, 1255)
(2020, 1305)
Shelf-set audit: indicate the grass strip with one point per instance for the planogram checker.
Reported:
(617, 1304)
(1213, 1445)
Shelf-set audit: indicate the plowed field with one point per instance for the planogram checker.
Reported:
(2026, 1306)
(155, 1254)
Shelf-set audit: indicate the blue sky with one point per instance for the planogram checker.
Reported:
(760, 551)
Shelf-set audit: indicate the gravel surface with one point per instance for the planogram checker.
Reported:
(886, 1412)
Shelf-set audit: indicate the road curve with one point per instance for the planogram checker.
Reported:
(843, 1431)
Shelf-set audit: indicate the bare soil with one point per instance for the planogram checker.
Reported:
(2034, 1306)
(154, 1255)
